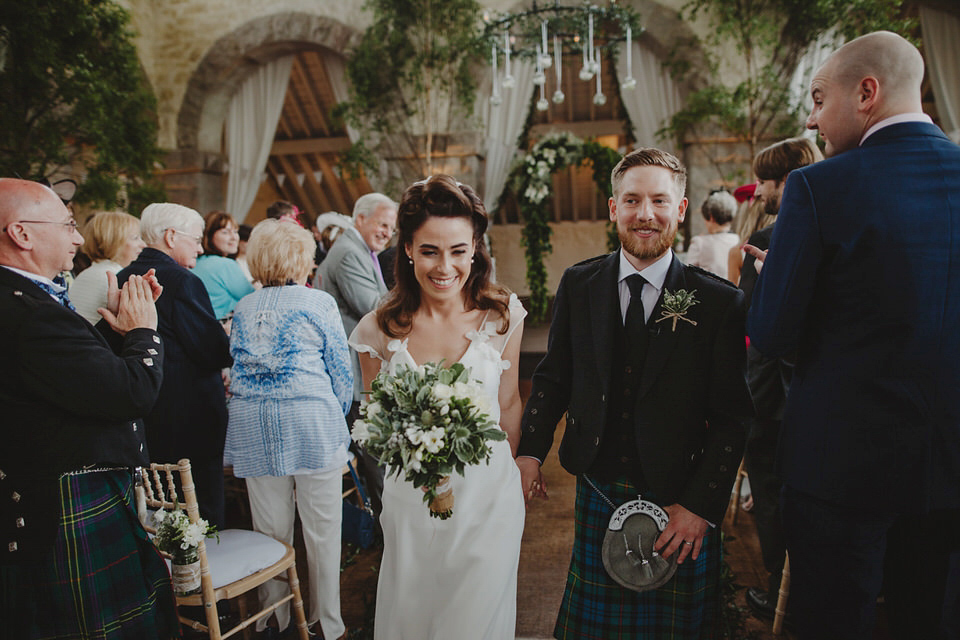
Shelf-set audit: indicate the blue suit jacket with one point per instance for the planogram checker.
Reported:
(863, 279)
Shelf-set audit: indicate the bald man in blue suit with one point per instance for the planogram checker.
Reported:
(863, 280)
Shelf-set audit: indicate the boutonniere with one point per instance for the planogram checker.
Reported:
(676, 305)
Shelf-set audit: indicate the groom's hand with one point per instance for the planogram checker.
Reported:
(685, 532)
(531, 479)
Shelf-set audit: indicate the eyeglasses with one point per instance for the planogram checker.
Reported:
(69, 223)
(196, 239)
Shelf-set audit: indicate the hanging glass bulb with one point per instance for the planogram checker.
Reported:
(508, 80)
(545, 59)
(539, 78)
(629, 83)
(542, 104)
(585, 71)
(598, 98)
(495, 99)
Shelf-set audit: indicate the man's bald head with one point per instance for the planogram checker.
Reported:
(864, 82)
(891, 59)
(37, 234)
(20, 199)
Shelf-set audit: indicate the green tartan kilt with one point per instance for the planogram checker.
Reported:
(103, 579)
(595, 607)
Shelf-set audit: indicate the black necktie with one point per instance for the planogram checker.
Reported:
(634, 323)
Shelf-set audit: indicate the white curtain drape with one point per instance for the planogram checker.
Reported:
(655, 98)
(251, 125)
(336, 67)
(504, 123)
(799, 87)
(941, 42)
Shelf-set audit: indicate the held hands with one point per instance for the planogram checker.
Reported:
(684, 526)
(759, 254)
(531, 479)
(132, 307)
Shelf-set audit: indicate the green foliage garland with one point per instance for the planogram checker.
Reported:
(532, 181)
(73, 96)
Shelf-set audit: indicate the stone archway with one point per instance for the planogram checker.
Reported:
(194, 173)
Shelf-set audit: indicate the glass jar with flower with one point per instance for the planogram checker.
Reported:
(180, 539)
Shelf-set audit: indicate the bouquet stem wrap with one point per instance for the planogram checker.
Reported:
(441, 506)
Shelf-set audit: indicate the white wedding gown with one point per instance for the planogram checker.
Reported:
(452, 579)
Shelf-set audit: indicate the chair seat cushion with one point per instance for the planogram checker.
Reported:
(240, 553)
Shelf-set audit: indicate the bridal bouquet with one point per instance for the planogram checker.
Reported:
(427, 422)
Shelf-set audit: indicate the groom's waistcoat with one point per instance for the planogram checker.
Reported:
(618, 456)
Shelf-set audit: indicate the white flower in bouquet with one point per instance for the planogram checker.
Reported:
(178, 537)
(427, 422)
(359, 431)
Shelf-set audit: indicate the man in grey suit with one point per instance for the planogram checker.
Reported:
(351, 274)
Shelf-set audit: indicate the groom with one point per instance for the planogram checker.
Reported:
(655, 399)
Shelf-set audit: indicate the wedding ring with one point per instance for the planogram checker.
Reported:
(687, 542)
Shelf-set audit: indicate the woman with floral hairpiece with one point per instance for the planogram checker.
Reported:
(454, 578)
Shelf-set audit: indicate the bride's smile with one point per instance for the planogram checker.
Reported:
(441, 252)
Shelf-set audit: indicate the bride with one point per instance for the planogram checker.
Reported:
(454, 578)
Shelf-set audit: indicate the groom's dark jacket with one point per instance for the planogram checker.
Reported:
(689, 414)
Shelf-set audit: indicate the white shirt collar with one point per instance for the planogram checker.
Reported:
(36, 278)
(897, 119)
(655, 274)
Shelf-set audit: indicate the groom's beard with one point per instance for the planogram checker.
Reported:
(648, 249)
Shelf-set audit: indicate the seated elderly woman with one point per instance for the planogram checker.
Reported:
(111, 239)
(292, 384)
(222, 276)
(711, 250)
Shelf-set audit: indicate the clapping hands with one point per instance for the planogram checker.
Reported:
(133, 306)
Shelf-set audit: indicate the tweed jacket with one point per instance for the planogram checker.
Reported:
(69, 401)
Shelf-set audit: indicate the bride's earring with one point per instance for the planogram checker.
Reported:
(472, 258)
(409, 259)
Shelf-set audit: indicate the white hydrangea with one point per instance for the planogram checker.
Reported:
(360, 431)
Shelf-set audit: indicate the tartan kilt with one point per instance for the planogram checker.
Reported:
(103, 579)
(596, 607)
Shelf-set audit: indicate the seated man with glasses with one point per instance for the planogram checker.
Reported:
(189, 419)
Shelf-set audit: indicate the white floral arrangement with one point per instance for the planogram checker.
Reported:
(552, 152)
(427, 422)
(178, 537)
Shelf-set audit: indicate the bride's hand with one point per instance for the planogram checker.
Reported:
(531, 479)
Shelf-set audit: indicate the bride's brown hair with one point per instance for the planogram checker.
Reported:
(440, 196)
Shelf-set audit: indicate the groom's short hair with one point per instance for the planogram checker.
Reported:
(650, 157)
